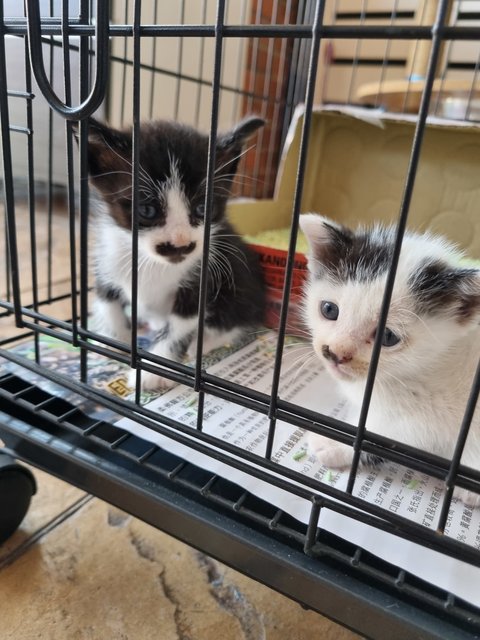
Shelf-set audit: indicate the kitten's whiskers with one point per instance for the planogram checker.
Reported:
(230, 249)
(222, 267)
(242, 153)
(397, 380)
(308, 360)
(415, 315)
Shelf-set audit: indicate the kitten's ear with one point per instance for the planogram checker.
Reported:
(241, 132)
(108, 154)
(328, 241)
(441, 289)
(230, 144)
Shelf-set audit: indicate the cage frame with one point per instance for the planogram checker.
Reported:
(312, 573)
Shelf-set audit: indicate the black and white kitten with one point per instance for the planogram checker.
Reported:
(431, 346)
(171, 213)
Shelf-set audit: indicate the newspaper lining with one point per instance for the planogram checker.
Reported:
(393, 487)
(396, 488)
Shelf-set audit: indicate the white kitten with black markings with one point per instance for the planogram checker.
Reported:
(431, 346)
(171, 221)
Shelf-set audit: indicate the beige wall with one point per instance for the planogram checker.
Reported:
(337, 83)
(166, 56)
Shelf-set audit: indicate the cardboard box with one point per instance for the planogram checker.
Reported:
(356, 168)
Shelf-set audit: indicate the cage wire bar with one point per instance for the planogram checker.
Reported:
(305, 562)
(401, 226)
(312, 70)
(135, 190)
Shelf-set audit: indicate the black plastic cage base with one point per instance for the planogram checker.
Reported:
(17, 485)
(340, 580)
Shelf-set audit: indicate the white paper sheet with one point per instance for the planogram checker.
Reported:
(393, 487)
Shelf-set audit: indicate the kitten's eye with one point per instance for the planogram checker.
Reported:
(200, 210)
(147, 212)
(390, 339)
(329, 310)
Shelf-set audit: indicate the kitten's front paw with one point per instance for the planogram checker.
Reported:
(469, 498)
(120, 334)
(109, 320)
(150, 381)
(330, 453)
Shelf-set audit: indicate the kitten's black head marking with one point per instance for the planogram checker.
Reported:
(108, 150)
(439, 288)
(344, 255)
(170, 153)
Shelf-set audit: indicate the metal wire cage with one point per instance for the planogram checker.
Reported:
(131, 62)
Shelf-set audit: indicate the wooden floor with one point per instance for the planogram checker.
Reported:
(79, 569)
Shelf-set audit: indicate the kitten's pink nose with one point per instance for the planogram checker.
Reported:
(342, 357)
(179, 237)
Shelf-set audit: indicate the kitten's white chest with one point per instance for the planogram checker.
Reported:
(156, 291)
(156, 283)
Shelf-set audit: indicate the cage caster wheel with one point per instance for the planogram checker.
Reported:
(17, 486)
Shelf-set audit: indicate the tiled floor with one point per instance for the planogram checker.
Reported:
(79, 569)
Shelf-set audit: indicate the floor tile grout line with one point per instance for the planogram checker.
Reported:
(16, 553)
(42, 287)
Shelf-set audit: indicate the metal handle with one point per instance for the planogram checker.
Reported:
(93, 101)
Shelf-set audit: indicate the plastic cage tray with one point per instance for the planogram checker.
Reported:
(221, 519)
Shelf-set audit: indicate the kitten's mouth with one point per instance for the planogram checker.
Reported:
(176, 259)
(341, 371)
